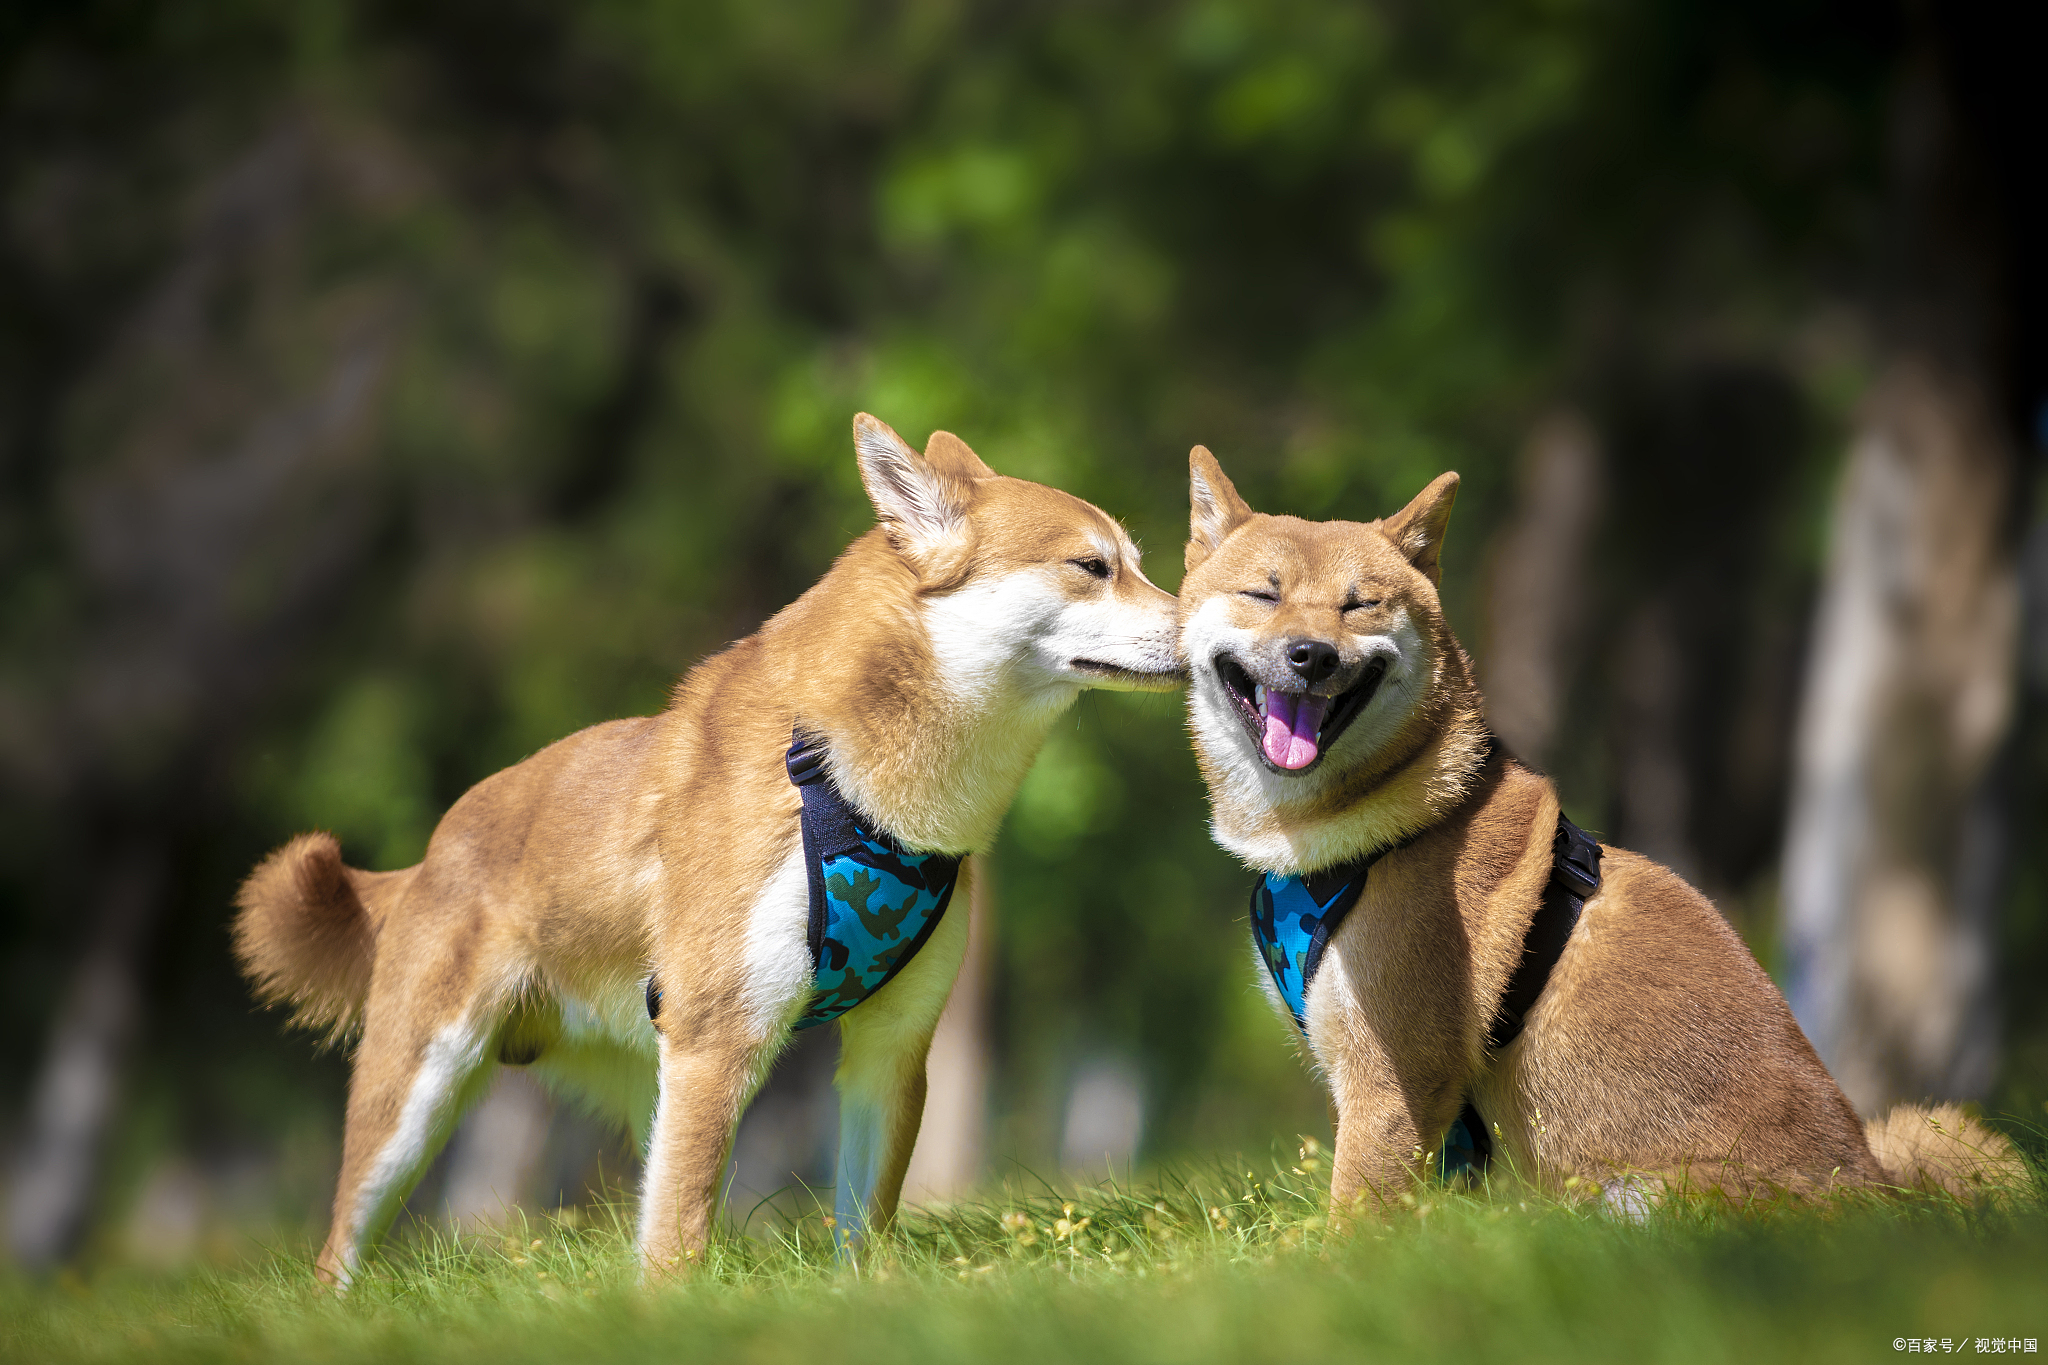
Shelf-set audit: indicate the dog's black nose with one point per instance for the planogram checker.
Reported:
(1314, 660)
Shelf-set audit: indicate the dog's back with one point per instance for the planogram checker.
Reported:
(1660, 1045)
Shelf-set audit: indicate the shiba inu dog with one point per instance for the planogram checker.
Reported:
(1472, 975)
(642, 912)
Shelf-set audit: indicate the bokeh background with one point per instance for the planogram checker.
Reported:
(388, 389)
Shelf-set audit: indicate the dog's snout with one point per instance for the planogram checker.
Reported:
(1314, 660)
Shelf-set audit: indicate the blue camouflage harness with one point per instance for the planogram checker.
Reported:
(873, 901)
(1294, 918)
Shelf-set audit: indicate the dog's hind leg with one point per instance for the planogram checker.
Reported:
(883, 1043)
(427, 1053)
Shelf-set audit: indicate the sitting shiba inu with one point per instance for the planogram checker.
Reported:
(1475, 977)
(643, 911)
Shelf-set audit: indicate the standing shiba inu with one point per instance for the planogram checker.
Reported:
(643, 911)
(1470, 972)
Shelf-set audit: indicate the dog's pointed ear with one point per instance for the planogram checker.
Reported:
(1214, 508)
(949, 454)
(919, 504)
(1417, 530)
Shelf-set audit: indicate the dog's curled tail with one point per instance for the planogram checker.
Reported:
(306, 932)
(1942, 1149)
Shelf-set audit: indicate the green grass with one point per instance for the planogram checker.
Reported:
(1226, 1267)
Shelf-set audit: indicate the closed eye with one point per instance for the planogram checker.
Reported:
(1092, 566)
(1259, 595)
(1367, 605)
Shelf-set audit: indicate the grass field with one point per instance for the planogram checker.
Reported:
(1225, 1266)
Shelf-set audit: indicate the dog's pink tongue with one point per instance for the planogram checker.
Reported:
(1291, 722)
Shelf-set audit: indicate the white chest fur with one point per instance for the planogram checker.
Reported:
(777, 953)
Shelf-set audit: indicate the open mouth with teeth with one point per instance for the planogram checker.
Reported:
(1293, 730)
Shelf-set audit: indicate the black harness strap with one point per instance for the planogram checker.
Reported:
(1574, 877)
(826, 820)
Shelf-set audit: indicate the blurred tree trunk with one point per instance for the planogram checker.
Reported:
(1537, 585)
(78, 1087)
(951, 1143)
(1894, 841)
(1895, 844)
(1655, 787)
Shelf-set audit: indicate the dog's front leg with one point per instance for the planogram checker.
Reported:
(1373, 1164)
(1383, 1142)
(1386, 1031)
(706, 1080)
(883, 1043)
(881, 1084)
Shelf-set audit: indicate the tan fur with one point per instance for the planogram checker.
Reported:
(1943, 1150)
(932, 658)
(1658, 1055)
(307, 932)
